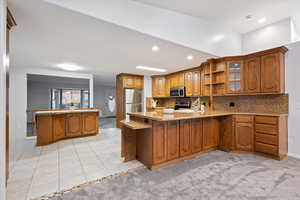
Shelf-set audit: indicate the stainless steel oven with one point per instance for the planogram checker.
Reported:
(177, 92)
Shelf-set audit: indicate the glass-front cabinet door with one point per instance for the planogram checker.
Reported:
(235, 77)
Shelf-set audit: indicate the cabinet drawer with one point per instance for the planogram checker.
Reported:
(266, 148)
(266, 120)
(267, 139)
(266, 128)
(244, 118)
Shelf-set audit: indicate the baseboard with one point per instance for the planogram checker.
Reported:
(294, 155)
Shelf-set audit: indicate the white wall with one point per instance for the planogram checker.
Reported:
(270, 36)
(182, 29)
(101, 94)
(147, 89)
(293, 89)
(2, 96)
(18, 105)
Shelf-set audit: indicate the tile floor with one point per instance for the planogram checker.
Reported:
(65, 164)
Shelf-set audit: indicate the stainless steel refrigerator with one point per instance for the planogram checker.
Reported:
(133, 100)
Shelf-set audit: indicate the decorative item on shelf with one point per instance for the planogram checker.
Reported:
(72, 106)
(154, 103)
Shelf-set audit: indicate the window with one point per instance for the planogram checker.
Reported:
(68, 98)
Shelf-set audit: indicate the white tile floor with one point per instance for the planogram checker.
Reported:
(65, 164)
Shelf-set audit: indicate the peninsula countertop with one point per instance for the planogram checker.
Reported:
(181, 116)
(65, 111)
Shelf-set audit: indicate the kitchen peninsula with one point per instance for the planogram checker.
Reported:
(55, 125)
(247, 111)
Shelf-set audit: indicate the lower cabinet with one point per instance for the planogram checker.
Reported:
(59, 127)
(90, 123)
(197, 135)
(210, 133)
(185, 137)
(172, 140)
(159, 142)
(44, 129)
(244, 133)
(73, 125)
(227, 134)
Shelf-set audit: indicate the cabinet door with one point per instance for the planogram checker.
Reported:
(210, 133)
(173, 81)
(90, 123)
(168, 87)
(252, 75)
(227, 133)
(138, 82)
(180, 79)
(235, 77)
(197, 135)
(185, 137)
(158, 87)
(74, 125)
(173, 140)
(44, 129)
(244, 135)
(128, 82)
(270, 73)
(188, 83)
(159, 142)
(59, 127)
(196, 83)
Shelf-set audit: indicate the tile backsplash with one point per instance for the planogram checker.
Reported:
(277, 103)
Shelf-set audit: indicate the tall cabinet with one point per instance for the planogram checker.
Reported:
(126, 81)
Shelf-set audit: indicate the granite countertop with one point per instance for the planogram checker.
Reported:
(65, 111)
(181, 116)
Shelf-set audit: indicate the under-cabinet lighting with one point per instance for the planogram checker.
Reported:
(151, 69)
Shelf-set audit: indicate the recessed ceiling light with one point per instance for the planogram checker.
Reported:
(155, 48)
(190, 57)
(69, 67)
(151, 69)
(262, 20)
(218, 37)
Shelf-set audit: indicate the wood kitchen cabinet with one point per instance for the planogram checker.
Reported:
(159, 86)
(252, 75)
(272, 72)
(132, 81)
(73, 125)
(90, 123)
(235, 77)
(197, 135)
(159, 142)
(192, 83)
(244, 133)
(185, 137)
(227, 133)
(172, 140)
(44, 129)
(177, 80)
(59, 127)
(210, 133)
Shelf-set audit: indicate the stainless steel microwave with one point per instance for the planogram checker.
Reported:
(177, 92)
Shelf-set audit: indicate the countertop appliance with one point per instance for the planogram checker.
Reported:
(133, 101)
(177, 92)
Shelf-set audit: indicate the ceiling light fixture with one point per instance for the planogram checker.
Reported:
(69, 67)
(262, 20)
(190, 57)
(155, 48)
(218, 37)
(151, 69)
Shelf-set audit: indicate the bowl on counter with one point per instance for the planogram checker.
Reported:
(168, 111)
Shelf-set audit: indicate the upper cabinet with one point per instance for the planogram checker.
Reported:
(132, 81)
(235, 77)
(252, 75)
(272, 73)
(159, 86)
(260, 72)
(192, 83)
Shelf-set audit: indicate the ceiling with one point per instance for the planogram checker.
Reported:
(232, 13)
(47, 35)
